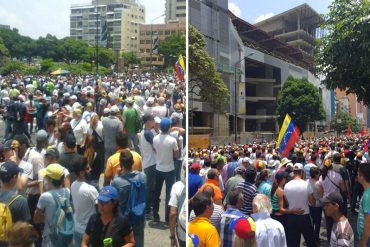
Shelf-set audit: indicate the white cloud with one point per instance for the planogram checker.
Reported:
(263, 17)
(38, 18)
(8, 18)
(235, 9)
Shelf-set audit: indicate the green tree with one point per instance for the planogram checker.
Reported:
(46, 65)
(12, 67)
(4, 53)
(73, 50)
(342, 120)
(301, 100)
(172, 47)
(342, 55)
(131, 58)
(204, 80)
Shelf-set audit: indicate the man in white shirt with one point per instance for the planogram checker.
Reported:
(148, 158)
(83, 197)
(167, 151)
(269, 232)
(299, 193)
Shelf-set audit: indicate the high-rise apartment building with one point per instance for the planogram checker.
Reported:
(175, 10)
(122, 18)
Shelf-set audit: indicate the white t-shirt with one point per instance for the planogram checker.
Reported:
(176, 192)
(297, 191)
(37, 161)
(146, 148)
(165, 145)
(84, 200)
(98, 129)
(79, 129)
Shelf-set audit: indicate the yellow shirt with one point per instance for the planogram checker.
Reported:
(113, 165)
(206, 232)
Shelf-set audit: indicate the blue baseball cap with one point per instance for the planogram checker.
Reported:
(165, 124)
(108, 193)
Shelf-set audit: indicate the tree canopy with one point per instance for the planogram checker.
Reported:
(204, 79)
(342, 120)
(131, 58)
(172, 47)
(343, 54)
(301, 100)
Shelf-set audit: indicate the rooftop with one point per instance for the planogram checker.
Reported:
(252, 36)
(308, 15)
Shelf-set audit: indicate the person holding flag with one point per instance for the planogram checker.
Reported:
(288, 136)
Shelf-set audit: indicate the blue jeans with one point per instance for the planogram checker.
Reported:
(316, 213)
(138, 229)
(169, 179)
(297, 225)
(134, 141)
(150, 185)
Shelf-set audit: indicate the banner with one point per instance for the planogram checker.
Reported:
(242, 108)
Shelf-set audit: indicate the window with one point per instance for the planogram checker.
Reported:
(160, 59)
(160, 33)
(180, 15)
(167, 32)
(147, 41)
(181, 7)
(142, 50)
(147, 50)
(142, 41)
(147, 32)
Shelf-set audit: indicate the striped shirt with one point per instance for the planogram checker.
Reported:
(226, 234)
(215, 217)
(249, 192)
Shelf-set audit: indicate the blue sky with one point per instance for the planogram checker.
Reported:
(260, 9)
(36, 18)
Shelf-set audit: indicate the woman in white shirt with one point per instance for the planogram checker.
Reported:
(79, 127)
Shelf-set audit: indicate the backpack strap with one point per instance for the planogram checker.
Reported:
(13, 200)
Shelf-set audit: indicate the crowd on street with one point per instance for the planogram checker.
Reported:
(248, 195)
(84, 158)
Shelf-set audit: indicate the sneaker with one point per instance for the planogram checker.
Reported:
(148, 215)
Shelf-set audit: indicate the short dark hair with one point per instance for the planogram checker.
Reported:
(6, 179)
(364, 170)
(122, 140)
(200, 202)
(126, 160)
(314, 171)
(234, 196)
(79, 164)
(51, 122)
(57, 183)
(70, 140)
(336, 158)
(250, 174)
(209, 190)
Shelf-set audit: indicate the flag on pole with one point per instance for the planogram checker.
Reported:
(288, 136)
(180, 68)
(362, 132)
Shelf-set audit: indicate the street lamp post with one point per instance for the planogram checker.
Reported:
(151, 39)
(235, 96)
(97, 41)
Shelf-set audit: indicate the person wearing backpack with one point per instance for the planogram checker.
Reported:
(52, 205)
(13, 206)
(108, 223)
(178, 214)
(131, 186)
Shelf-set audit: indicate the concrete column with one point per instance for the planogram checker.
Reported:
(243, 125)
(298, 22)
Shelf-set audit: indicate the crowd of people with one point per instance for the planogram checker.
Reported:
(248, 195)
(84, 159)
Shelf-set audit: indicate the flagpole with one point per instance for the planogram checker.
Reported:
(97, 40)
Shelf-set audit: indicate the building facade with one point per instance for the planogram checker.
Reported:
(348, 104)
(160, 31)
(254, 66)
(175, 10)
(122, 18)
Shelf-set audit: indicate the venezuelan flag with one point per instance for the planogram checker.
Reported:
(180, 68)
(288, 136)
